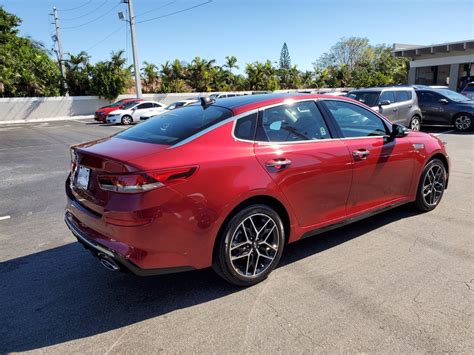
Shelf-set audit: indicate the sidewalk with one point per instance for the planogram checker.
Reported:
(50, 119)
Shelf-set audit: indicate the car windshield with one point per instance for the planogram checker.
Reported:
(370, 98)
(176, 125)
(469, 87)
(453, 95)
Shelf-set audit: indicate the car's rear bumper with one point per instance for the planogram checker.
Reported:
(124, 263)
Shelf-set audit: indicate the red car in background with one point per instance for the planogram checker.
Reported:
(229, 183)
(101, 114)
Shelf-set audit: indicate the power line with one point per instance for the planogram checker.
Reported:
(95, 19)
(87, 14)
(78, 7)
(156, 8)
(105, 38)
(176, 12)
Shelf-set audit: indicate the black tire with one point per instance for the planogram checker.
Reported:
(415, 123)
(430, 191)
(246, 268)
(463, 122)
(127, 120)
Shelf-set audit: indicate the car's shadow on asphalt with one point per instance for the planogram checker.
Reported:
(63, 294)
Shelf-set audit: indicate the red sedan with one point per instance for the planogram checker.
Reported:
(101, 114)
(230, 183)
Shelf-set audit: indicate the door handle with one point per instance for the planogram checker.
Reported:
(278, 164)
(361, 154)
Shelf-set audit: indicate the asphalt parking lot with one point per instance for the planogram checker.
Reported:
(397, 282)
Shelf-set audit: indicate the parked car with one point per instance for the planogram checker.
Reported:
(446, 107)
(131, 112)
(468, 90)
(101, 114)
(398, 104)
(224, 95)
(173, 106)
(229, 183)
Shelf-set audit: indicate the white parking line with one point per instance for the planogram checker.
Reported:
(445, 132)
(4, 217)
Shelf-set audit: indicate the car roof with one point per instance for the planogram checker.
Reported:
(241, 104)
(379, 89)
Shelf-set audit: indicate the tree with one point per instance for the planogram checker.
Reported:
(285, 60)
(25, 66)
(151, 77)
(262, 76)
(199, 74)
(230, 63)
(111, 78)
(78, 74)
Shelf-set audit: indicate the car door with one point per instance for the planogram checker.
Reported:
(383, 168)
(391, 110)
(141, 109)
(313, 171)
(431, 109)
(404, 105)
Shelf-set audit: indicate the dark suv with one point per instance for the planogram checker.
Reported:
(398, 104)
(446, 107)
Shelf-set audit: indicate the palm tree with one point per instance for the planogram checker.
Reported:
(199, 74)
(230, 63)
(150, 76)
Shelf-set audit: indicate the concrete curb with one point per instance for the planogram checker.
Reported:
(50, 119)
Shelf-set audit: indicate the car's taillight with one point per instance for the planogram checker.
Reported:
(144, 181)
(73, 159)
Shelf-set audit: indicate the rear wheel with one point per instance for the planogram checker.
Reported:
(250, 247)
(415, 123)
(126, 120)
(431, 186)
(463, 122)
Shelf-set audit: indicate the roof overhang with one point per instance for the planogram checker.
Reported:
(413, 51)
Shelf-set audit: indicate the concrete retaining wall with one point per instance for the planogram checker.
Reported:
(40, 108)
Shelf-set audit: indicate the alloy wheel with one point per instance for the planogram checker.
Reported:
(126, 120)
(433, 185)
(462, 122)
(254, 245)
(415, 124)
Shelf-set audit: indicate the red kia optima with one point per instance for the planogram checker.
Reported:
(229, 183)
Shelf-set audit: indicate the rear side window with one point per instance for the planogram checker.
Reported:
(401, 96)
(355, 121)
(300, 121)
(174, 126)
(245, 127)
(145, 105)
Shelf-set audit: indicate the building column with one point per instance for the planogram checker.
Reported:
(411, 76)
(453, 76)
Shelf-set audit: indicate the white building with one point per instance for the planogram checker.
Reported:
(450, 64)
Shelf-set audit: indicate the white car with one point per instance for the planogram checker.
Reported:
(173, 106)
(132, 111)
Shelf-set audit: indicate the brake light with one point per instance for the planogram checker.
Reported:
(144, 181)
(73, 159)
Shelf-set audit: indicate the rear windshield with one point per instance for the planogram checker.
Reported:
(370, 98)
(174, 126)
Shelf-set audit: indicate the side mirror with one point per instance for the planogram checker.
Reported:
(384, 102)
(443, 101)
(398, 131)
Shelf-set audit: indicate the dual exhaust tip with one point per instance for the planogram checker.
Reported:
(108, 262)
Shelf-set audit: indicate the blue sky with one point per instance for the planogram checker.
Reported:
(249, 29)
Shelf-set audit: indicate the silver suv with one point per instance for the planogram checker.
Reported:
(398, 104)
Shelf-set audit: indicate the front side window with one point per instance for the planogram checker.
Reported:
(300, 121)
(427, 97)
(387, 96)
(174, 126)
(355, 121)
(370, 98)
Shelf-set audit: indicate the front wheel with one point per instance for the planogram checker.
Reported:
(463, 122)
(431, 186)
(250, 247)
(415, 123)
(127, 120)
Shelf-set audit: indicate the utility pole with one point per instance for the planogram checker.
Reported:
(57, 39)
(138, 83)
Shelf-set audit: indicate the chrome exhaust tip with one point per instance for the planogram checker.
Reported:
(108, 262)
